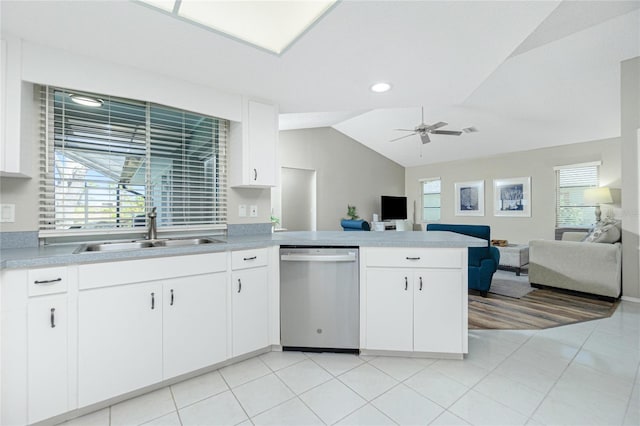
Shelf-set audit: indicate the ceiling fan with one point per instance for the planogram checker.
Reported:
(424, 130)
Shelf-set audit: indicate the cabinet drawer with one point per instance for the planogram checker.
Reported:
(415, 257)
(244, 259)
(47, 281)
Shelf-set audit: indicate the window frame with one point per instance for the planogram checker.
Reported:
(557, 171)
(47, 227)
(422, 194)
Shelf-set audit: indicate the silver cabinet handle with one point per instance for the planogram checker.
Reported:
(153, 300)
(250, 258)
(53, 317)
(406, 284)
(171, 303)
(413, 258)
(45, 282)
(255, 174)
(239, 285)
(420, 284)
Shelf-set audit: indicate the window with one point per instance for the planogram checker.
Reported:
(430, 199)
(105, 166)
(571, 182)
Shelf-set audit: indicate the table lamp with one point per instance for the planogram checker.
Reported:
(598, 196)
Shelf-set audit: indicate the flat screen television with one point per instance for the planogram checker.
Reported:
(393, 208)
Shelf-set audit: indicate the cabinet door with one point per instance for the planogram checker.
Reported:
(389, 309)
(47, 357)
(195, 323)
(119, 340)
(250, 310)
(438, 310)
(263, 134)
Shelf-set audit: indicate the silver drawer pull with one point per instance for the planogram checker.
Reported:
(250, 258)
(45, 282)
(413, 258)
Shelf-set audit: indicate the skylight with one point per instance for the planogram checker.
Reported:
(270, 25)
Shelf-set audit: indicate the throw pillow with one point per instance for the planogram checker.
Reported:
(604, 232)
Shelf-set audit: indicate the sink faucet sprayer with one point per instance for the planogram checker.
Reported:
(152, 233)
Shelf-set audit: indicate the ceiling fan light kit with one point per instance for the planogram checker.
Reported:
(423, 130)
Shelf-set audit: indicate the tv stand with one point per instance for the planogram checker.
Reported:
(391, 225)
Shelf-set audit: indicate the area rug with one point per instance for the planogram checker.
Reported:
(508, 284)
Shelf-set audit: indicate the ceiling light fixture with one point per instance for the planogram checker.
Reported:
(87, 101)
(270, 25)
(381, 87)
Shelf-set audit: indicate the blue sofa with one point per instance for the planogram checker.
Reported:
(483, 261)
(355, 225)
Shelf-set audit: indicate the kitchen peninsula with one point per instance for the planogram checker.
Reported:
(84, 330)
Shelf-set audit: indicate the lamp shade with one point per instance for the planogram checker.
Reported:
(598, 196)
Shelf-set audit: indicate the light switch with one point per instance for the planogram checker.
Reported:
(7, 213)
(242, 210)
(253, 211)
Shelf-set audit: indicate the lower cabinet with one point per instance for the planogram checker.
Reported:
(414, 309)
(249, 306)
(119, 340)
(194, 323)
(47, 382)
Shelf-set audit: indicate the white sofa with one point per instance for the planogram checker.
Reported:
(571, 264)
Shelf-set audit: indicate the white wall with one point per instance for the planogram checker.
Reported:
(347, 173)
(630, 100)
(538, 164)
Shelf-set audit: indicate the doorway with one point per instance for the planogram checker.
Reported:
(298, 198)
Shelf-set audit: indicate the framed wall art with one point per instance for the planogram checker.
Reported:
(512, 197)
(469, 198)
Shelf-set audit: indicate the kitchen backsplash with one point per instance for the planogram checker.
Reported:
(236, 230)
(13, 240)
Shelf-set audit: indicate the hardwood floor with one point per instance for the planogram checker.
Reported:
(542, 308)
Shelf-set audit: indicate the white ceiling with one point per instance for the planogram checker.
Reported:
(528, 74)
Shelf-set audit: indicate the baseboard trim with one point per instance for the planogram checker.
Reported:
(631, 299)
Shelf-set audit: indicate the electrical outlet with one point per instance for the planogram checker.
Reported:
(242, 210)
(253, 211)
(7, 213)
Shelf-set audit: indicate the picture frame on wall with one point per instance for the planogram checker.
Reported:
(512, 197)
(469, 198)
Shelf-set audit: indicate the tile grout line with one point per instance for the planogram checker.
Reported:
(175, 405)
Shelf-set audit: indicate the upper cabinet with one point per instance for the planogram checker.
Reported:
(13, 153)
(253, 146)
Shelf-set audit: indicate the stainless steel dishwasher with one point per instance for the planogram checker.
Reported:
(319, 299)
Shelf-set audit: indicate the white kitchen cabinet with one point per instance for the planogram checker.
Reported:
(48, 354)
(119, 340)
(147, 321)
(438, 311)
(249, 300)
(194, 323)
(35, 330)
(389, 309)
(415, 300)
(253, 146)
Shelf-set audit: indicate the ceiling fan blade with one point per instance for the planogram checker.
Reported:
(471, 129)
(446, 132)
(406, 130)
(437, 125)
(425, 138)
(401, 137)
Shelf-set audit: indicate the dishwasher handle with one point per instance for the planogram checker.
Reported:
(349, 257)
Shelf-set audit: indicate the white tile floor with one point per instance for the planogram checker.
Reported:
(580, 374)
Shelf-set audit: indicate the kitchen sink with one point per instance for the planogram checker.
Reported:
(141, 244)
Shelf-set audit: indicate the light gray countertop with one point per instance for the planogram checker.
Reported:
(63, 254)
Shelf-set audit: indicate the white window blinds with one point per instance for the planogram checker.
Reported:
(571, 182)
(104, 166)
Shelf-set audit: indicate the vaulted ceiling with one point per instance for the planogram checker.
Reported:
(527, 74)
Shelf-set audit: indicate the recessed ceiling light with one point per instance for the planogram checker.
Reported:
(380, 87)
(87, 101)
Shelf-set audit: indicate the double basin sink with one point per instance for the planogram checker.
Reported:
(141, 244)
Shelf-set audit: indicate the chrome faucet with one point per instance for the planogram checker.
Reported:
(152, 233)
